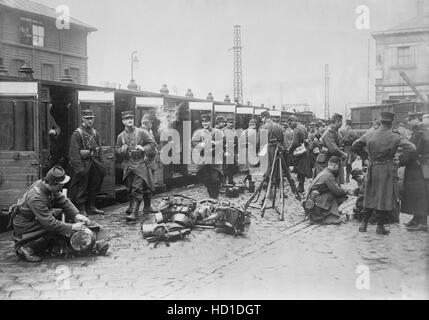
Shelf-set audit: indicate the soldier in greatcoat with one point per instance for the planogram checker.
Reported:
(275, 136)
(381, 192)
(209, 165)
(86, 163)
(415, 198)
(135, 147)
(301, 165)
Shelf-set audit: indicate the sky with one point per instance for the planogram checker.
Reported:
(286, 44)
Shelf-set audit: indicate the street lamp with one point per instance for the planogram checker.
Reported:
(132, 85)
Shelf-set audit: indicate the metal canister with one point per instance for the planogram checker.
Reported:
(83, 240)
(150, 230)
(159, 217)
(181, 219)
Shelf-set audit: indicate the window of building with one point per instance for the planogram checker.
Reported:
(405, 57)
(32, 32)
(16, 64)
(47, 71)
(75, 74)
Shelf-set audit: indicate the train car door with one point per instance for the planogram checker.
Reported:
(226, 110)
(19, 160)
(196, 109)
(244, 114)
(104, 123)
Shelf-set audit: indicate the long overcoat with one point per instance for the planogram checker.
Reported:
(301, 163)
(381, 191)
(415, 199)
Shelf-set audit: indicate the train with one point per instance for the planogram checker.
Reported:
(30, 107)
(362, 117)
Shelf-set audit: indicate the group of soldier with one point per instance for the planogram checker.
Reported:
(44, 215)
(319, 152)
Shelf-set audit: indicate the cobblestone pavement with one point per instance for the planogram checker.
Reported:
(288, 259)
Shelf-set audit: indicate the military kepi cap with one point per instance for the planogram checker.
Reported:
(336, 117)
(230, 119)
(415, 115)
(127, 114)
(292, 118)
(57, 175)
(265, 113)
(88, 113)
(387, 116)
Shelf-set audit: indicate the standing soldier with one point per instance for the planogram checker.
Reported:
(210, 173)
(313, 143)
(146, 124)
(85, 161)
(330, 146)
(381, 192)
(301, 161)
(231, 150)
(348, 136)
(249, 146)
(415, 199)
(135, 147)
(275, 136)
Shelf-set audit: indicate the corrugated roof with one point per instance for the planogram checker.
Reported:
(42, 10)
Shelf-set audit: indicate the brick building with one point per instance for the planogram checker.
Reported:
(28, 34)
(403, 48)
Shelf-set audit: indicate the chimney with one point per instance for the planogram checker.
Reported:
(227, 99)
(189, 94)
(164, 89)
(420, 7)
(210, 97)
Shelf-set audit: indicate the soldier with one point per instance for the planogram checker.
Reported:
(330, 146)
(231, 150)
(210, 173)
(146, 124)
(327, 195)
(313, 143)
(85, 161)
(34, 222)
(415, 198)
(381, 192)
(348, 136)
(136, 147)
(250, 144)
(302, 165)
(275, 136)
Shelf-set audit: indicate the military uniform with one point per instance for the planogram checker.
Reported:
(381, 192)
(275, 138)
(302, 165)
(35, 220)
(210, 174)
(231, 146)
(137, 174)
(415, 199)
(88, 170)
(249, 146)
(348, 136)
(328, 197)
(151, 162)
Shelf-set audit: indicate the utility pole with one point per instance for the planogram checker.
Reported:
(327, 115)
(238, 75)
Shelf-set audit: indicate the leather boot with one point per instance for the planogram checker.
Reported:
(380, 225)
(412, 222)
(133, 216)
(130, 208)
(147, 204)
(364, 223)
(27, 253)
(92, 209)
(82, 209)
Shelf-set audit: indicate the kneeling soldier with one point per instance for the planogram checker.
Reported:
(135, 147)
(34, 222)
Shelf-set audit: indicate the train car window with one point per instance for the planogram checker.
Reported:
(16, 125)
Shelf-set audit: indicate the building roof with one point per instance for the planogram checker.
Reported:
(41, 10)
(417, 24)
